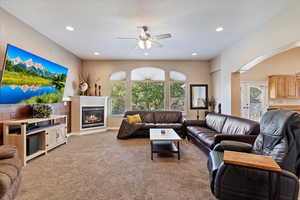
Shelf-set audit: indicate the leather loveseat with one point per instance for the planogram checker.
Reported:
(10, 172)
(218, 127)
(151, 119)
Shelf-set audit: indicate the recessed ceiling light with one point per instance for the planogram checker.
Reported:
(146, 54)
(219, 29)
(96, 53)
(69, 28)
(194, 54)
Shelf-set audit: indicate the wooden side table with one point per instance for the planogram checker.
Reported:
(265, 163)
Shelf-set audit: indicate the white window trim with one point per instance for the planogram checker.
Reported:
(167, 91)
(184, 112)
(111, 98)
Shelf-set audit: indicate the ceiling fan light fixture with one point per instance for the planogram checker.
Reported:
(69, 28)
(219, 29)
(141, 44)
(147, 44)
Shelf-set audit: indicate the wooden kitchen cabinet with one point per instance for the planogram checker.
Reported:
(272, 87)
(284, 86)
(291, 91)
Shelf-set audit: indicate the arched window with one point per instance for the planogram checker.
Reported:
(148, 73)
(118, 76)
(148, 89)
(177, 91)
(118, 91)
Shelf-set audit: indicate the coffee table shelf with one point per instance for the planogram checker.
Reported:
(164, 147)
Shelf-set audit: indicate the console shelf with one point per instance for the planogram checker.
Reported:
(51, 132)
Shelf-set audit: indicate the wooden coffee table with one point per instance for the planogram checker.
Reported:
(167, 142)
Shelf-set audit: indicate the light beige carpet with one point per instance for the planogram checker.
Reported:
(100, 167)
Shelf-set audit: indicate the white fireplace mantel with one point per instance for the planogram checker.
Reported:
(76, 112)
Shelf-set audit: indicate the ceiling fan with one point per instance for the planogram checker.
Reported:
(146, 40)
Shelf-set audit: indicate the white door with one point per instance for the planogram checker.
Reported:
(253, 100)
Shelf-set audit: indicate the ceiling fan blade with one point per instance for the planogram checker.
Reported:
(126, 38)
(162, 36)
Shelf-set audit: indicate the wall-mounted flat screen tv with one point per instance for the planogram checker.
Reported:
(30, 79)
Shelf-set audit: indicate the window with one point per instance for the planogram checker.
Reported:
(147, 95)
(177, 91)
(118, 92)
(148, 89)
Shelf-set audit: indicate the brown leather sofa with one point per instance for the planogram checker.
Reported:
(218, 127)
(10, 172)
(151, 119)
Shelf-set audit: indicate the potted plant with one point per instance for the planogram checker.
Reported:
(211, 104)
(41, 110)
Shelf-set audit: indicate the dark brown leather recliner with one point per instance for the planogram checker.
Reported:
(151, 119)
(218, 127)
(280, 138)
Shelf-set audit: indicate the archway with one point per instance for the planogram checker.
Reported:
(254, 76)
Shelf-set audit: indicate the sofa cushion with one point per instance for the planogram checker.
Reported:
(167, 116)
(215, 121)
(239, 126)
(207, 138)
(149, 125)
(198, 129)
(169, 125)
(147, 117)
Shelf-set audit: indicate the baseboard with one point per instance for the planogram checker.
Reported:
(113, 128)
(87, 132)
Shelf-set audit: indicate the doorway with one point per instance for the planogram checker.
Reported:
(253, 99)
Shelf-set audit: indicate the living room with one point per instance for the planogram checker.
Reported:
(149, 100)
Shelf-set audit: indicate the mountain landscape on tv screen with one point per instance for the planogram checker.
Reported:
(29, 79)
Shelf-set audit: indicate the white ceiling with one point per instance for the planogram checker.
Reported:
(98, 23)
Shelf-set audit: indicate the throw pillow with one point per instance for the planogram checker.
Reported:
(134, 118)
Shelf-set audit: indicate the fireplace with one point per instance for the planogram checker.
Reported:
(92, 116)
(89, 114)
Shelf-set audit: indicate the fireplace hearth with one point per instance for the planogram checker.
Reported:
(92, 116)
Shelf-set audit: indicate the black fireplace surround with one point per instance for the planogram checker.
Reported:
(92, 116)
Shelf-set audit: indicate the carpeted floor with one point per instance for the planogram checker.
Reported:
(100, 167)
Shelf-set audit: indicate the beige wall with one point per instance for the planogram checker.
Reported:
(279, 32)
(216, 81)
(235, 94)
(197, 72)
(285, 63)
(15, 32)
